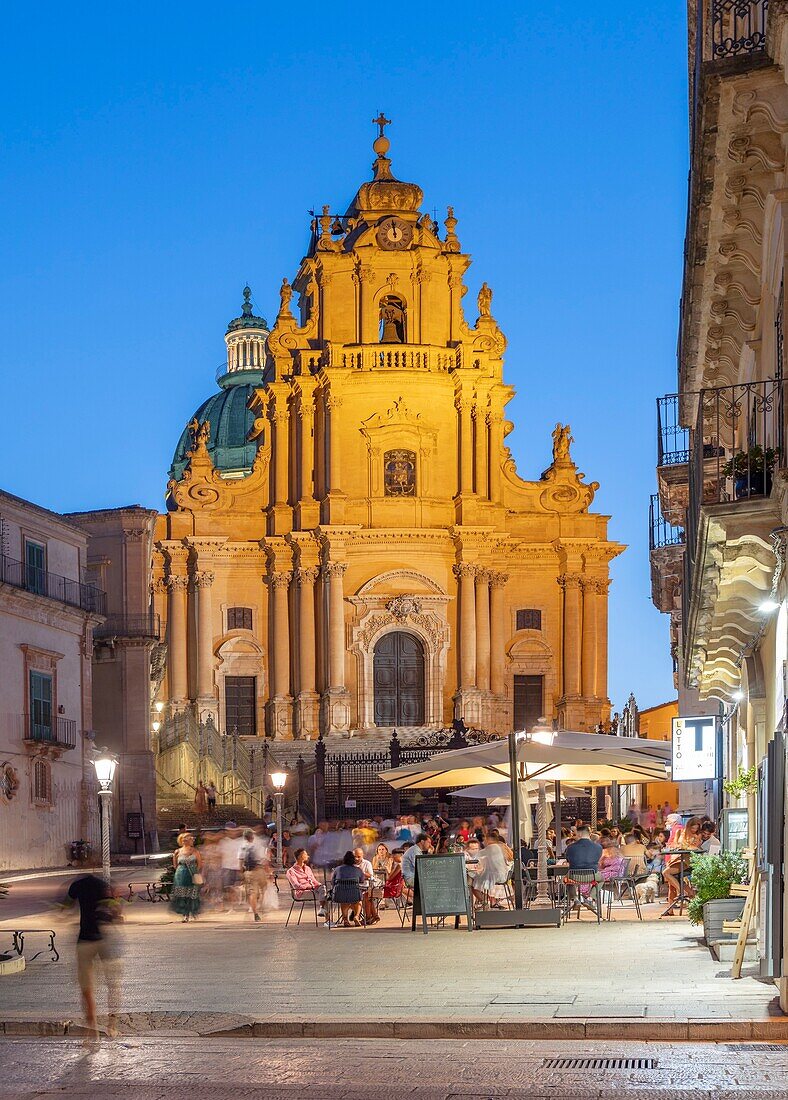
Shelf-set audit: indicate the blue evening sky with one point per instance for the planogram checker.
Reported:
(154, 157)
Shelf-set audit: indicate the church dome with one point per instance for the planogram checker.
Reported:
(226, 411)
(231, 422)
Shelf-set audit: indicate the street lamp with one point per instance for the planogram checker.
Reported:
(278, 780)
(105, 763)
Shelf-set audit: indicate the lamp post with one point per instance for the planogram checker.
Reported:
(105, 764)
(278, 779)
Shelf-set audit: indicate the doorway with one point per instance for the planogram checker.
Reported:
(398, 680)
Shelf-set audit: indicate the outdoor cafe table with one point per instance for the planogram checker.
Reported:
(681, 897)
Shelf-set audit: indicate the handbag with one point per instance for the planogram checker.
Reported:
(197, 879)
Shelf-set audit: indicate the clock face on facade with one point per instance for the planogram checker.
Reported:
(394, 234)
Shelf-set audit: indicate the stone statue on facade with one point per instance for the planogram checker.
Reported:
(562, 440)
(484, 301)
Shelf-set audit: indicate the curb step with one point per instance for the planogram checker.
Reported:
(653, 1029)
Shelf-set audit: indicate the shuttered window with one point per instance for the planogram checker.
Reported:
(35, 567)
(40, 706)
(529, 618)
(42, 781)
(239, 701)
(239, 618)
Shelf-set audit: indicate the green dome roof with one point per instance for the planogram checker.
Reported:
(230, 422)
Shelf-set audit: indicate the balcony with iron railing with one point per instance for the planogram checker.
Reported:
(129, 626)
(666, 550)
(736, 446)
(52, 586)
(56, 731)
(661, 532)
(729, 560)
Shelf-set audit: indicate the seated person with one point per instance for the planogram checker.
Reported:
(422, 846)
(709, 840)
(584, 853)
(395, 883)
(347, 879)
(635, 851)
(611, 863)
(654, 859)
(303, 881)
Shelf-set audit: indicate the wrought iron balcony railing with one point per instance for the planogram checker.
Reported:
(129, 626)
(52, 585)
(672, 438)
(660, 532)
(58, 731)
(738, 27)
(736, 445)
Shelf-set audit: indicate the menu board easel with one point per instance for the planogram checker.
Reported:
(440, 889)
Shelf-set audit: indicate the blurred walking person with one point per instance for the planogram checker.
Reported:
(253, 860)
(99, 940)
(185, 892)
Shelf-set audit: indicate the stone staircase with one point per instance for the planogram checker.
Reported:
(172, 813)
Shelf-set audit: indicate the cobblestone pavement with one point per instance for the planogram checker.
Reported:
(174, 1068)
(626, 970)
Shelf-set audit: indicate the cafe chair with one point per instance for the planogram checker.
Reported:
(615, 888)
(309, 897)
(575, 898)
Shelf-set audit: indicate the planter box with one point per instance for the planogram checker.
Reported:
(717, 911)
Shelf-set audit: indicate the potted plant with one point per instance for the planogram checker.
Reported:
(751, 470)
(746, 782)
(712, 878)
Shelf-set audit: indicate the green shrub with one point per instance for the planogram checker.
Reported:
(712, 878)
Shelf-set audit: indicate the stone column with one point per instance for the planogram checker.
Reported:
(482, 630)
(335, 513)
(465, 575)
(282, 421)
(308, 510)
(202, 580)
(465, 444)
(177, 666)
(495, 422)
(336, 699)
(480, 419)
(600, 679)
(590, 636)
(497, 633)
(280, 703)
(570, 584)
(177, 639)
(307, 708)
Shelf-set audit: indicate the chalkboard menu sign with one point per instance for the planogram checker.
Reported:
(440, 889)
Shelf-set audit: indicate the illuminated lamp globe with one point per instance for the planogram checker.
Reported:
(278, 779)
(105, 764)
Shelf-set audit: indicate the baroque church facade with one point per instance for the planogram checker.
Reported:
(348, 546)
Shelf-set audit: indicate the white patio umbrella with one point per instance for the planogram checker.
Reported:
(583, 760)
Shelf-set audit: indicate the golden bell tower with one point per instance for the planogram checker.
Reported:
(410, 574)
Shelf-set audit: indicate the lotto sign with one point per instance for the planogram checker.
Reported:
(694, 748)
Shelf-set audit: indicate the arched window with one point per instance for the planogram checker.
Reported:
(42, 782)
(392, 319)
(239, 618)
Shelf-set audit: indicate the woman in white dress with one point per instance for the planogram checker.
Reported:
(495, 863)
